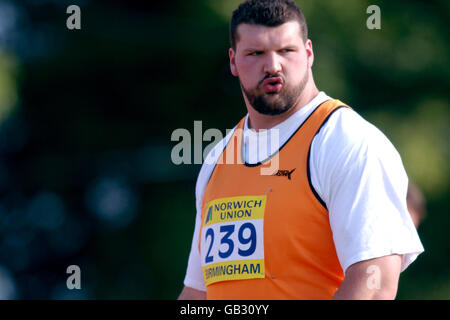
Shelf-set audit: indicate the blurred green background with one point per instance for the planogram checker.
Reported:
(86, 118)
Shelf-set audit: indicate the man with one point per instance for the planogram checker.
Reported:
(331, 221)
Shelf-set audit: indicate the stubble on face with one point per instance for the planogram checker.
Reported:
(275, 103)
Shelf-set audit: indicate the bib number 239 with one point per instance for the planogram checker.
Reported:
(232, 239)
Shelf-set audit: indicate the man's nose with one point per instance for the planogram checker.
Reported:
(272, 64)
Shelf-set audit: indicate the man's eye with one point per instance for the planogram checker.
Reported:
(255, 53)
(286, 50)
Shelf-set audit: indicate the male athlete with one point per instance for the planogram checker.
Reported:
(331, 222)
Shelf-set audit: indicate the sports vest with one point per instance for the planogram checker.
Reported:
(266, 234)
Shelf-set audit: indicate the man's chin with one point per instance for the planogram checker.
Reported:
(271, 111)
(268, 103)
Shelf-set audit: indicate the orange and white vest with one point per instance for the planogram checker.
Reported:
(267, 235)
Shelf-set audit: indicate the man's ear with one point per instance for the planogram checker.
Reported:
(232, 55)
(309, 52)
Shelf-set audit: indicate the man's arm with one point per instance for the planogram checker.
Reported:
(374, 279)
(192, 294)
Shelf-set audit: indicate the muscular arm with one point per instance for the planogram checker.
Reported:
(374, 279)
(192, 294)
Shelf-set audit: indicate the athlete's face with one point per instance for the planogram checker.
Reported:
(273, 65)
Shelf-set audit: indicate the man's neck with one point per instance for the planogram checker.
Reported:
(258, 121)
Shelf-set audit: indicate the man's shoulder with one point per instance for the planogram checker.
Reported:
(348, 137)
(348, 129)
(215, 151)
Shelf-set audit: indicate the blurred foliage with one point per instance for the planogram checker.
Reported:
(8, 85)
(86, 118)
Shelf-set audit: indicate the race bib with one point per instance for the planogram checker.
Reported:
(232, 239)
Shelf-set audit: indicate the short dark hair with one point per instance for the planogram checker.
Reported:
(270, 13)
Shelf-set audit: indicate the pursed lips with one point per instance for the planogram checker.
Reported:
(272, 84)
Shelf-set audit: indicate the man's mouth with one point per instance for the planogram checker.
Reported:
(272, 84)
